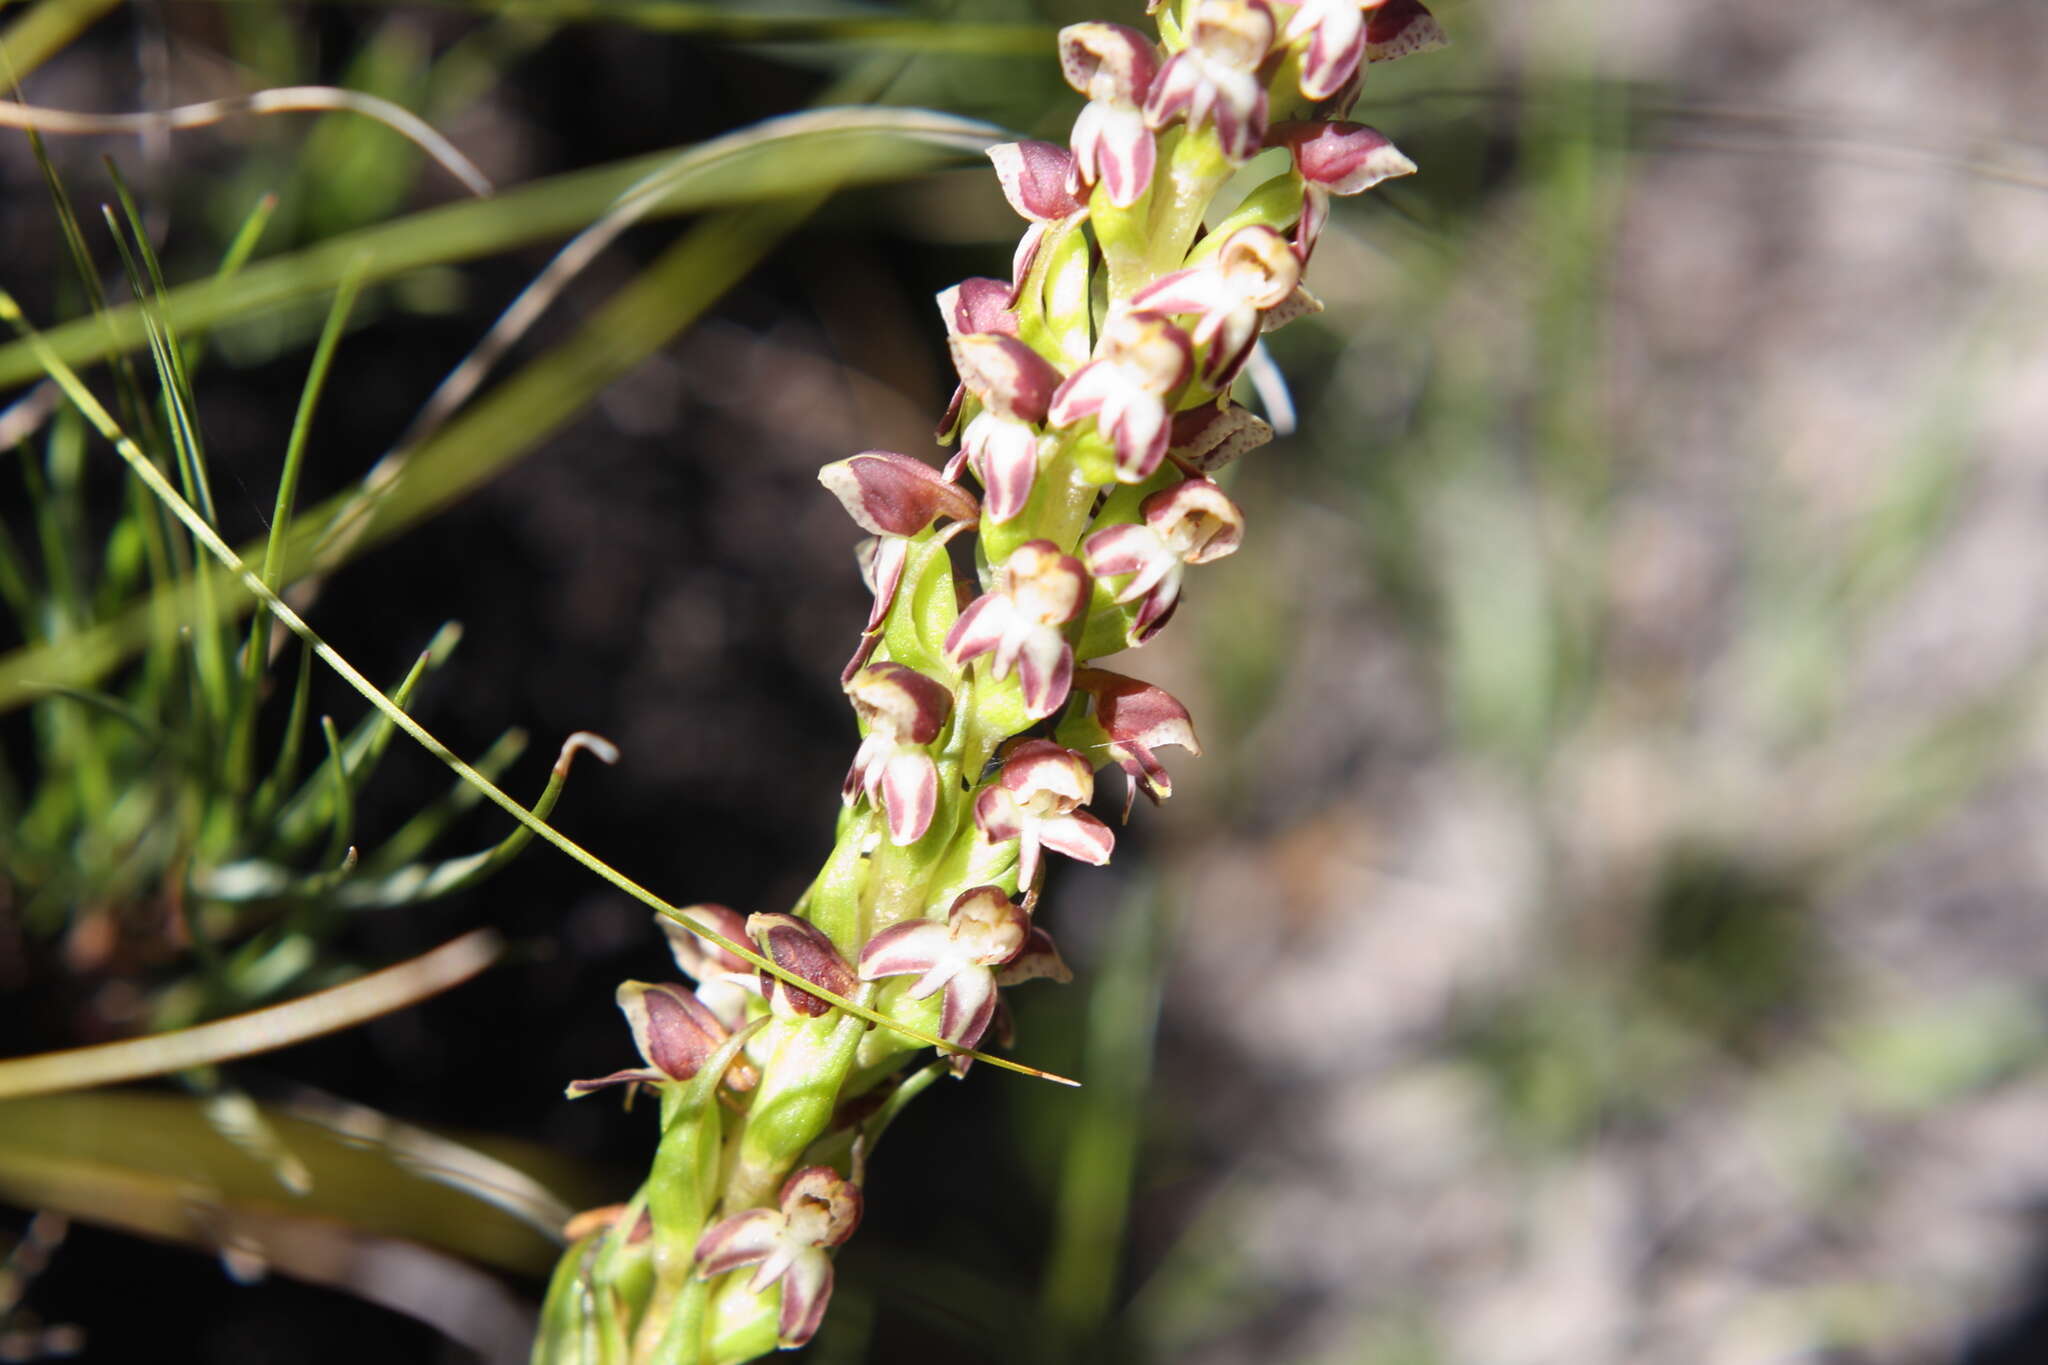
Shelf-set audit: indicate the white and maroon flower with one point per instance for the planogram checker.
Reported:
(1035, 177)
(818, 1208)
(1130, 719)
(1140, 359)
(676, 1034)
(1334, 158)
(1021, 620)
(893, 497)
(1252, 272)
(724, 980)
(903, 711)
(1036, 800)
(798, 946)
(1015, 385)
(983, 930)
(1114, 67)
(1215, 78)
(1192, 522)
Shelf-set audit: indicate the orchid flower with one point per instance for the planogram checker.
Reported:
(1215, 80)
(817, 1209)
(1140, 359)
(1036, 800)
(1192, 522)
(1020, 622)
(1252, 272)
(1015, 385)
(1334, 158)
(982, 930)
(1114, 67)
(904, 712)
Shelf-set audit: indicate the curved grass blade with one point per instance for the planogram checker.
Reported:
(295, 99)
(264, 1030)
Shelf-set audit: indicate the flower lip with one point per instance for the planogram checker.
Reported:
(1196, 520)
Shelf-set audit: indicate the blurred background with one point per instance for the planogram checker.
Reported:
(1607, 923)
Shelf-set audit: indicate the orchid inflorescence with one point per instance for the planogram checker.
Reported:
(1094, 404)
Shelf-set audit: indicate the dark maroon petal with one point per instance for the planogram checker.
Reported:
(1004, 373)
(675, 1031)
(802, 948)
(700, 958)
(1344, 158)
